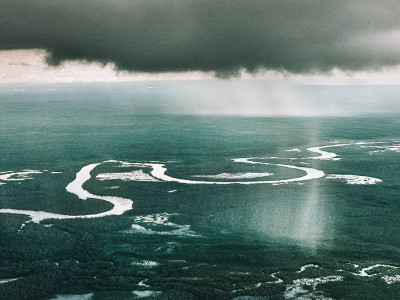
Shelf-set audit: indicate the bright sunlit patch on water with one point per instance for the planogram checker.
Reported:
(310, 225)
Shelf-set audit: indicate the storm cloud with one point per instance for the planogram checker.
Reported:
(224, 36)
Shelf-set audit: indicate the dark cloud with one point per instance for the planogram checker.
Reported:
(209, 35)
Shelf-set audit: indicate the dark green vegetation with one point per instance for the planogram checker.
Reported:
(239, 235)
(76, 257)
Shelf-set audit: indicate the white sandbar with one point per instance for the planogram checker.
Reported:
(354, 179)
(158, 171)
(146, 294)
(363, 272)
(296, 290)
(234, 175)
(137, 175)
(391, 279)
(305, 267)
(293, 150)
(74, 297)
(7, 280)
(18, 176)
(121, 205)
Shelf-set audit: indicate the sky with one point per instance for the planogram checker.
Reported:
(306, 41)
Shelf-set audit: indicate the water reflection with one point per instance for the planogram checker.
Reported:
(311, 220)
(299, 215)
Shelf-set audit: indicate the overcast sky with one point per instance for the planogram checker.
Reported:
(316, 40)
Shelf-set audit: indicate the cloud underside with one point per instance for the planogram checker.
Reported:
(224, 36)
